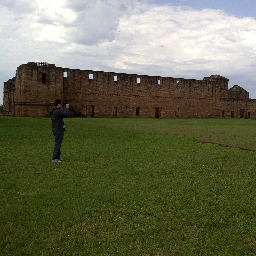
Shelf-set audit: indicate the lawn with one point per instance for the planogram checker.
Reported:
(128, 187)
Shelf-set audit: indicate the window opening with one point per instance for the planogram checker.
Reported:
(65, 74)
(90, 76)
(138, 80)
(232, 114)
(159, 82)
(115, 78)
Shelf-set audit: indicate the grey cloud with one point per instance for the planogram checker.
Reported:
(19, 6)
(96, 21)
(83, 5)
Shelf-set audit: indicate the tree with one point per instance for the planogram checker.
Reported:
(1, 109)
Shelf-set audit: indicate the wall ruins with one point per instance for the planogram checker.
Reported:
(107, 94)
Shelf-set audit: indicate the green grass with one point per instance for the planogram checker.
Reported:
(128, 187)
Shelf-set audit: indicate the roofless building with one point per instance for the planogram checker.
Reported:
(107, 94)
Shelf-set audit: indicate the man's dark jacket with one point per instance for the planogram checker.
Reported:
(57, 116)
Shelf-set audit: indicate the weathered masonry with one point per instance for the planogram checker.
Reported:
(107, 94)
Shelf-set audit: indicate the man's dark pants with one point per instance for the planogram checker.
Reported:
(58, 140)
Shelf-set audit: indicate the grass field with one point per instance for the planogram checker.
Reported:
(128, 187)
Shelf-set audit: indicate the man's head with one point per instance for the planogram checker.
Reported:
(58, 103)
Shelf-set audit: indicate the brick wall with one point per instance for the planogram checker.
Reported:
(108, 94)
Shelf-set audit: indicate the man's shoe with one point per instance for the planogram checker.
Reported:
(56, 161)
(61, 159)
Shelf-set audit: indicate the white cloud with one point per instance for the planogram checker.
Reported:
(128, 36)
(184, 41)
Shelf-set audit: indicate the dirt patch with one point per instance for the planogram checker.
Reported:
(227, 146)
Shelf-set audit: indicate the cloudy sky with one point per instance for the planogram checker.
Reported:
(174, 38)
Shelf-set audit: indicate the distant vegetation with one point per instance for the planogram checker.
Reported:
(128, 187)
(1, 109)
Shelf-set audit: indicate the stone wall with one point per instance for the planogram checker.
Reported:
(108, 94)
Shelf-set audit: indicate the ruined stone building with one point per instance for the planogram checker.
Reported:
(107, 94)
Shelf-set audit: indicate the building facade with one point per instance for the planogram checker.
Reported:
(107, 94)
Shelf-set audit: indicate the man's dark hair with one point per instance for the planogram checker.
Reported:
(57, 101)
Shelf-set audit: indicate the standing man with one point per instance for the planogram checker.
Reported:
(58, 128)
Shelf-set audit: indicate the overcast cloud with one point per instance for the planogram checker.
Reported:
(128, 36)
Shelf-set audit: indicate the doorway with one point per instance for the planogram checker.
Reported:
(157, 113)
(90, 110)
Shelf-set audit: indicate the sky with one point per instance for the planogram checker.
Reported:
(189, 39)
